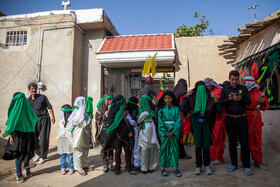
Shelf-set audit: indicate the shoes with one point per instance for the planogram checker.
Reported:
(186, 157)
(144, 172)
(36, 158)
(63, 172)
(117, 172)
(26, 172)
(41, 161)
(20, 178)
(111, 168)
(91, 146)
(217, 162)
(260, 165)
(82, 173)
(164, 172)
(177, 173)
(135, 170)
(128, 170)
(71, 172)
(105, 169)
(88, 168)
(198, 171)
(248, 171)
(207, 170)
(150, 171)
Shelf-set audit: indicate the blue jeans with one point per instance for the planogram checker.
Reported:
(63, 161)
(18, 166)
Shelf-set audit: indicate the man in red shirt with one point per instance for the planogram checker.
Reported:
(218, 131)
(255, 125)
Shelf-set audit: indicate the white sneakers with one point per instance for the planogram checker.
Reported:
(207, 170)
(37, 157)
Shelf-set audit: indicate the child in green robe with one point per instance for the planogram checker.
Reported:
(169, 127)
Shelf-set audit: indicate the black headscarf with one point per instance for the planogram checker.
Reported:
(161, 102)
(181, 88)
(12, 105)
(132, 107)
(66, 114)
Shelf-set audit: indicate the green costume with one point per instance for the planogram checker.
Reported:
(200, 127)
(169, 120)
(21, 118)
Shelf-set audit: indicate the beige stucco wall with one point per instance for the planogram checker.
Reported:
(255, 44)
(203, 57)
(18, 63)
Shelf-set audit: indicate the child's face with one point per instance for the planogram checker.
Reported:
(110, 101)
(168, 100)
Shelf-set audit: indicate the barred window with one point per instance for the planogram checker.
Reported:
(16, 38)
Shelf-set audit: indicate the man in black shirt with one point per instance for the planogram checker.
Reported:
(41, 106)
(234, 97)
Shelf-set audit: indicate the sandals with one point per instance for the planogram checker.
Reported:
(177, 173)
(164, 173)
(231, 168)
(248, 171)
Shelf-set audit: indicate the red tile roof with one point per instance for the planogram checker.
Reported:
(139, 42)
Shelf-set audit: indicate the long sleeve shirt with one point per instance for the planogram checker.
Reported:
(235, 107)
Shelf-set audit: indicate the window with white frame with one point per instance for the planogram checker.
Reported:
(16, 38)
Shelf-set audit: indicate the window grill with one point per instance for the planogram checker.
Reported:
(16, 38)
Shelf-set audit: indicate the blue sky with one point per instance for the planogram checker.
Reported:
(158, 16)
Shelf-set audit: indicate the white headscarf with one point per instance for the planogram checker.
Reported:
(250, 83)
(210, 82)
(78, 115)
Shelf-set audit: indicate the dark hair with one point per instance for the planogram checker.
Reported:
(32, 84)
(225, 83)
(234, 73)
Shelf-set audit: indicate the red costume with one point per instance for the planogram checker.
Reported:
(255, 130)
(186, 124)
(218, 132)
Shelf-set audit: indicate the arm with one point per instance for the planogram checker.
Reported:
(52, 115)
(224, 100)
(264, 104)
(131, 121)
(178, 122)
(245, 99)
(161, 128)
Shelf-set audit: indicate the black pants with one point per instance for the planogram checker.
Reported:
(42, 134)
(107, 156)
(206, 157)
(118, 160)
(182, 152)
(234, 127)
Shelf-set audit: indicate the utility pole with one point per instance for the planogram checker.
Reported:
(254, 7)
(66, 4)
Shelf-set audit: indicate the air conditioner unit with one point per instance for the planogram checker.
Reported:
(135, 81)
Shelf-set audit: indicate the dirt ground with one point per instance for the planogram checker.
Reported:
(48, 174)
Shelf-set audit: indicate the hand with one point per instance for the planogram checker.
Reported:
(214, 97)
(237, 97)
(107, 112)
(53, 120)
(130, 134)
(167, 134)
(171, 135)
(231, 95)
(261, 100)
(63, 122)
(189, 93)
(11, 140)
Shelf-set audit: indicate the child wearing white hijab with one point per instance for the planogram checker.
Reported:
(79, 123)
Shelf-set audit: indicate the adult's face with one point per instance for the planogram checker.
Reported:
(33, 90)
(233, 81)
(168, 100)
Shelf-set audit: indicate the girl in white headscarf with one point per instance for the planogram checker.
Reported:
(79, 123)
